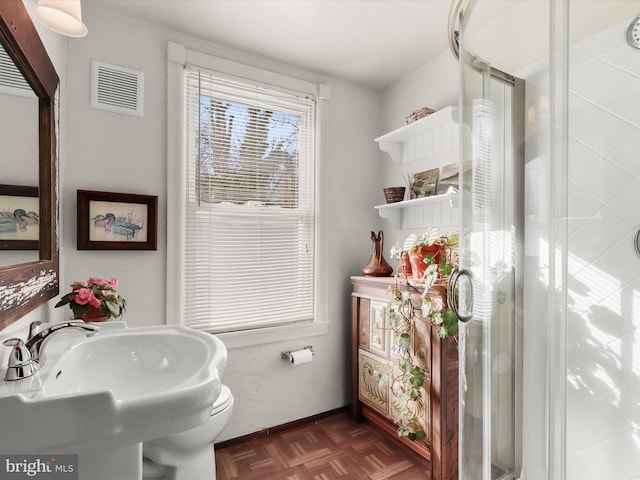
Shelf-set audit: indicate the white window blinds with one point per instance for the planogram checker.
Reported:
(249, 217)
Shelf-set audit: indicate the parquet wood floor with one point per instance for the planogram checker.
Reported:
(333, 448)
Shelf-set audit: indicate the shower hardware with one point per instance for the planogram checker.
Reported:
(456, 14)
(464, 312)
(636, 241)
(633, 33)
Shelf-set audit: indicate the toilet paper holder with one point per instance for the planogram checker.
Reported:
(287, 355)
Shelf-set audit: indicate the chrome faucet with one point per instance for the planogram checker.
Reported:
(26, 358)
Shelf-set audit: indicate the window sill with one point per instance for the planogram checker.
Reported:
(262, 336)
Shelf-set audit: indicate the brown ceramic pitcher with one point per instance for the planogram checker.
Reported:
(377, 266)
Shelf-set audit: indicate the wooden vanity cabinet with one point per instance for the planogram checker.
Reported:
(373, 357)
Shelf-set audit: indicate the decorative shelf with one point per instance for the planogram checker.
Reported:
(437, 209)
(433, 134)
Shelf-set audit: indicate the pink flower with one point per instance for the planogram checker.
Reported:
(114, 282)
(78, 285)
(84, 296)
(99, 281)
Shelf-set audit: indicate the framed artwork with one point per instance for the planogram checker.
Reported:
(449, 178)
(117, 221)
(424, 183)
(19, 217)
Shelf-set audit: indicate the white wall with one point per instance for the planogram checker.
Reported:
(433, 85)
(111, 152)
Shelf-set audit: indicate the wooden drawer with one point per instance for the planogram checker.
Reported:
(373, 379)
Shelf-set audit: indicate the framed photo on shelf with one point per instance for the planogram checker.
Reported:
(424, 183)
(117, 221)
(19, 217)
(449, 178)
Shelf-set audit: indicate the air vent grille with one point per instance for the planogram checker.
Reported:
(11, 80)
(117, 89)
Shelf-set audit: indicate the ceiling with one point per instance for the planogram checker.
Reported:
(371, 43)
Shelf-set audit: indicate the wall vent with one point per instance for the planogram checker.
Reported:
(11, 80)
(116, 89)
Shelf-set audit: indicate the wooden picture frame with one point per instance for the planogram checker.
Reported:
(19, 217)
(424, 183)
(117, 221)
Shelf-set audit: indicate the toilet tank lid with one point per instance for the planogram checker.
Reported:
(223, 401)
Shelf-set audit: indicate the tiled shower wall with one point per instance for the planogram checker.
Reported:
(603, 356)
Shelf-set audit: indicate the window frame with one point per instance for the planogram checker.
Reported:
(178, 57)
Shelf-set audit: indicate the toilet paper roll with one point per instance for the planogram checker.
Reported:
(301, 356)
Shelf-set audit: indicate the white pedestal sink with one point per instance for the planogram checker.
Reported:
(99, 397)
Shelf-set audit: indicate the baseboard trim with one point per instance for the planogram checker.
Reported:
(280, 428)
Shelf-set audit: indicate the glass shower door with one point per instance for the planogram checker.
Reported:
(488, 283)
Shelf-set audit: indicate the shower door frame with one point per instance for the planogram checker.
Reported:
(518, 154)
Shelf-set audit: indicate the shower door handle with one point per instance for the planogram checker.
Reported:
(464, 312)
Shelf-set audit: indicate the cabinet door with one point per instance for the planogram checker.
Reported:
(364, 322)
(378, 340)
(373, 380)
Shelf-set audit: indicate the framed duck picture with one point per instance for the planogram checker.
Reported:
(117, 221)
(19, 217)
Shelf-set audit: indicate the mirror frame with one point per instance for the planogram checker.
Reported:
(25, 286)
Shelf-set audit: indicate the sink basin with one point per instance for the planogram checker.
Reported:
(122, 386)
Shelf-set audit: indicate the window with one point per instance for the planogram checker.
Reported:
(249, 204)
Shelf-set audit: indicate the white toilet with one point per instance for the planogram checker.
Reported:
(188, 455)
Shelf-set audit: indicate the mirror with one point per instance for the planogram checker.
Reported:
(19, 217)
(32, 281)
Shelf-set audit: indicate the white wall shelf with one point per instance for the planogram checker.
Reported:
(421, 212)
(433, 134)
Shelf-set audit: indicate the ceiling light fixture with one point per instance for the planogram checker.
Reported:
(61, 16)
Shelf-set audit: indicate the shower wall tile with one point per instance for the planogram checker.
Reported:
(624, 257)
(596, 420)
(583, 72)
(606, 133)
(606, 85)
(603, 381)
(601, 371)
(604, 227)
(624, 448)
(583, 115)
(582, 161)
(604, 181)
(625, 59)
(626, 104)
(608, 226)
(630, 405)
(582, 205)
(586, 252)
(601, 463)
(626, 154)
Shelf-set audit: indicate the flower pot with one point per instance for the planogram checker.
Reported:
(404, 265)
(93, 315)
(417, 256)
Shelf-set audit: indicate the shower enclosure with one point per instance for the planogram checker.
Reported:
(487, 289)
(550, 261)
